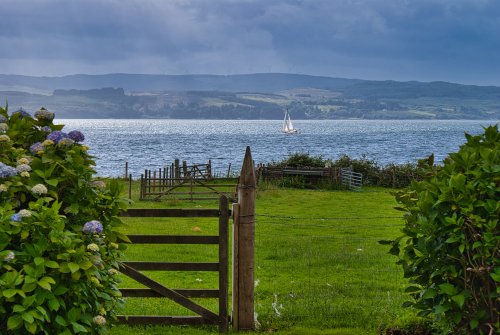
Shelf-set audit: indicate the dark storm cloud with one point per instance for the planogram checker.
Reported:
(452, 40)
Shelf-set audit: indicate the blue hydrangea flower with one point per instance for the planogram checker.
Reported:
(3, 119)
(7, 171)
(16, 217)
(36, 148)
(22, 113)
(56, 136)
(46, 129)
(76, 136)
(92, 227)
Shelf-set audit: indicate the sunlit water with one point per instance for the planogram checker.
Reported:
(153, 144)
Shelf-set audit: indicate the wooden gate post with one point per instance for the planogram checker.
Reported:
(243, 248)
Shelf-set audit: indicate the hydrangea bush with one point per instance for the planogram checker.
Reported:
(60, 243)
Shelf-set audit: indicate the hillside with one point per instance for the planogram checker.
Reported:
(252, 96)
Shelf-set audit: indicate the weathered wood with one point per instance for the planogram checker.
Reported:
(169, 293)
(173, 239)
(164, 320)
(223, 267)
(235, 272)
(246, 244)
(155, 289)
(170, 212)
(173, 266)
(150, 293)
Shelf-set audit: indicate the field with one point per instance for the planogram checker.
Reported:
(319, 268)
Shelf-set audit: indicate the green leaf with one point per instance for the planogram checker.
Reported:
(38, 260)
(78, 328)
(448, 289)
(52, 264)
(429, 294)
(45, 283)
(459, 299)
(31, 327)
(28, 317)
(60, 321)
(18, 308)
(14, 322)
(52, 182)
(496, 275)
(54, 305)
(9, 293)
(412, 289)
(73, 267)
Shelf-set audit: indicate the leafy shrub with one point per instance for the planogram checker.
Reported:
(59, 243)
(368, 168)
(449, 249)
(300, 160)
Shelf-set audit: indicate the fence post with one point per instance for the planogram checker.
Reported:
(126, 170)
(243, 248)
(209, 169)
(177, 169)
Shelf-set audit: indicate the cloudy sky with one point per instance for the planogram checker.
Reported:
(424, 40)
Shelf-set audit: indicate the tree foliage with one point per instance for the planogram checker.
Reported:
(450, 247)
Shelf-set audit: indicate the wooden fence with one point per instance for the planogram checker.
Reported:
(310, 175)
(188, 188)
(182, 297)
(185, 182)
(243, 264)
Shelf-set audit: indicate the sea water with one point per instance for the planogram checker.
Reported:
(154, 144)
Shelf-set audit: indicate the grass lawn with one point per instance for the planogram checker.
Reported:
(319, 268)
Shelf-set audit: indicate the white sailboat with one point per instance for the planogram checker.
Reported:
(288, 125)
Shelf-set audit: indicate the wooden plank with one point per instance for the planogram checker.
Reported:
(172, 266)
(235, 270)
(178, 298)
(223, 266)
(170, 212)
(150, 293)
(246, 243)
(173, 239)
(163, 320)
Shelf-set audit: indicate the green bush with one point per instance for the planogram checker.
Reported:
(59, 239)
(300, 160)
(449, 249)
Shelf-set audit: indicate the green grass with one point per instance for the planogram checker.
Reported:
(319, 268)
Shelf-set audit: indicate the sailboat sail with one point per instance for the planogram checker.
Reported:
(288, 125)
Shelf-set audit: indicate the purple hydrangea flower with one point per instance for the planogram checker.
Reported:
(16, 217)
(46, 129)
(7, 171)
(76, 136)
(35, 148)
(92, 227)
(22, 113)
(3, 118)
(56, 136)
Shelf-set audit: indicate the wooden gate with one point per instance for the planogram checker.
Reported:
(182, 297)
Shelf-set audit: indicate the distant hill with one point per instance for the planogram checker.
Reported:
(250, 96)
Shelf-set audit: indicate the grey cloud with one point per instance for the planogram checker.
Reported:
(455, 40)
